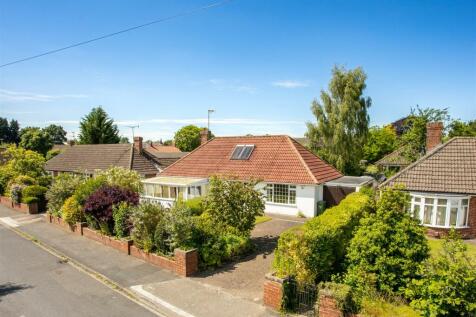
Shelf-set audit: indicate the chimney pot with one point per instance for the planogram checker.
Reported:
(434, 134)
(138, 143)
(203, 136)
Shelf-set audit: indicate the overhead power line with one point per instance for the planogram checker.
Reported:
(182, 14)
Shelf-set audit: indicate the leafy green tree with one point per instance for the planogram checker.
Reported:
(386, 247)
(56, 132)
(342, 120)
(35, 139)
(380, 142)
(460, 128)
(98, 128)
(187, 138)
(448, 283)
(414, 137)
(124, 140)
(234, 204)
(14, 132)
(9, 133)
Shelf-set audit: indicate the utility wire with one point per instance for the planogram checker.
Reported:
(182, 14)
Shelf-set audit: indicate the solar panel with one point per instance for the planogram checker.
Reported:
(242, 152)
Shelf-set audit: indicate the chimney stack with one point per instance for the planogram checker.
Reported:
(434, 134)
(138, 143)
(203, 136)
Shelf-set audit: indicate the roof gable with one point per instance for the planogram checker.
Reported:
(449, 168)
(273, 159)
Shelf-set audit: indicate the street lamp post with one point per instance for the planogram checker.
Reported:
(208, 122)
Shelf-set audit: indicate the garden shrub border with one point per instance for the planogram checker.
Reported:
(184, 263)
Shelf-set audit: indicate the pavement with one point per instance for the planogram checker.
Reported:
(140, 283)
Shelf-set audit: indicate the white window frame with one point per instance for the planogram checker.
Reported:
(449, 199)
(291, 188)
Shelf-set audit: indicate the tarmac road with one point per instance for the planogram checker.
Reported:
(35, 283)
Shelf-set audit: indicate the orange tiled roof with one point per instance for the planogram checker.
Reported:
(274, 159)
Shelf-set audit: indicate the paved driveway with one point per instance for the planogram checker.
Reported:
(245, 277)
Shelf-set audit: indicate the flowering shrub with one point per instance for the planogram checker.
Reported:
(15, 193)
(63, 187)
(99, 205)
(119, 176)
(72, 212)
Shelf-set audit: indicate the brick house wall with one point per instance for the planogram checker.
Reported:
(466, 233)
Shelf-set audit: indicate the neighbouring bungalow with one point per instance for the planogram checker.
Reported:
(90, 158)
(442, 184)
(292, 178)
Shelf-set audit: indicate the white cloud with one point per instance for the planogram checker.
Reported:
(17, 96)
(290, 84)
(223, 121)
(233, 85)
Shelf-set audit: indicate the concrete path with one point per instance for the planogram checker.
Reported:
(170, 294)
(244, 278)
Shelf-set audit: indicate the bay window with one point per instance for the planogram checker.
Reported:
(281, 194)
(440, 211)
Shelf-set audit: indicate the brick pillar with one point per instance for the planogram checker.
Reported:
(434, 133)
(328, 306)
(203, 136)
(138, 143)
(186, 262)
(273, 292)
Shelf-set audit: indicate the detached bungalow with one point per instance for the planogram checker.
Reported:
(291, 177)
(90, 158)
(442, 184)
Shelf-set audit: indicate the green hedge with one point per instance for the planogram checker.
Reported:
(33, 193)
(316, 250)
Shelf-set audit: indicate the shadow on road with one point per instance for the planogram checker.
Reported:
(9, 288)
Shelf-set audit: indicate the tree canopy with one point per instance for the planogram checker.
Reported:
(414, 138)
(461, 128)
(187, 138)
(36, 139)
(98, 128)
(380, 142)
(56, 132)
(9, 132)
(341, 129)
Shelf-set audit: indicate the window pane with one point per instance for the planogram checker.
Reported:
(269, 192)
(157, 191)
(442, 202)
(416, 212)
(292, 195)
(427, 211)
(165, 191)
(173, 192)
(464, 202)
(462, 216)
(281, 193)
(441, 215)
(453, 215)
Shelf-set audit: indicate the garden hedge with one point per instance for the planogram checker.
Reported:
(315, 251)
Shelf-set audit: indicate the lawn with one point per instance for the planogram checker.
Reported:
(436, 246)
(261, 219)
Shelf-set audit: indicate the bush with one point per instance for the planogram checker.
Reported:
(63, 187)
(386, 247)
(448, 283)
(99, 205)
(121, 177)
(145, 219)
(88, 187)
(195, 205)
(122, 219)
(15, 193)
(318, 252)
(33, 191)
(235, 204)
(343, 296)
(179, 226)
(72, 211)
(30, 200)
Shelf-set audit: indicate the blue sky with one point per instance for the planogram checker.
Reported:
(259, 64)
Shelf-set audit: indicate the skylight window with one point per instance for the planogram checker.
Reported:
(242, 152)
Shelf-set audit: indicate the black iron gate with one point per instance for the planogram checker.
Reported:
(300, 297)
